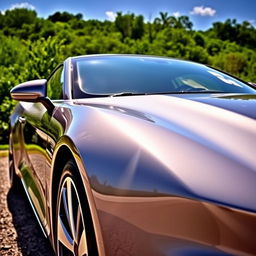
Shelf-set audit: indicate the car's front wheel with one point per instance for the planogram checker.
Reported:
(71, 232)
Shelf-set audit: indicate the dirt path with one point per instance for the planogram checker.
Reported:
(20, 233)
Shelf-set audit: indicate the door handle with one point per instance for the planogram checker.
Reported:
(22, 120)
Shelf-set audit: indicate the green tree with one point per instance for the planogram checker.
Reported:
(138, 27)
(164, 20)
(43, 56)
(16, 18)
(234, 63)
(184, 22)
(130, 25)
(31, 47)
(64, 17)
(199, 39)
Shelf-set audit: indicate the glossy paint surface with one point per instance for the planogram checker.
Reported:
(163, 166)
(163, 174)
(239, 103)
(30, 90)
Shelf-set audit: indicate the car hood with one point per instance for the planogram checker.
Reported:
(206, 141)
(243, 104)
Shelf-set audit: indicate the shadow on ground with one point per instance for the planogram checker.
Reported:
(30, 238)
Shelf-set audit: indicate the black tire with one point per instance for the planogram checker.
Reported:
(72, 207)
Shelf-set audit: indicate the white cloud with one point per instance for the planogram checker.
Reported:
(22, 5)
(110, 15)
(203, 11)
(176, 14)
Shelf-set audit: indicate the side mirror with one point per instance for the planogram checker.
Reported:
(32, 91)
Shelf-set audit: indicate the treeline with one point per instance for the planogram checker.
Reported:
(30, 47)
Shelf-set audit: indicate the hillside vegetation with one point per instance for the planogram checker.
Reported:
(31, 47)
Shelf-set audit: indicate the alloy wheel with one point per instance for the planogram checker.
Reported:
(71, 235)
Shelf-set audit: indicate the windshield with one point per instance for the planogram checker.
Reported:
(113, 75)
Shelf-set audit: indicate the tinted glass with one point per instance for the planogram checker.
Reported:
(106, 75)
(55, 84)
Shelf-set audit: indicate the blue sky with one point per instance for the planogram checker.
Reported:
(202, 13)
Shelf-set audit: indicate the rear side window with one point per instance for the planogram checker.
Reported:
(55, 84)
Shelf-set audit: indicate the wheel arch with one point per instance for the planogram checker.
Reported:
(65, 149)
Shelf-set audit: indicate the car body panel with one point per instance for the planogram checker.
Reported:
(163, 174)
(173, 226)
(216, 142)
(238, 103)
(30, 151)
(176, 181)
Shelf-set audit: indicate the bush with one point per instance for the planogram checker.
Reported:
(31, 47)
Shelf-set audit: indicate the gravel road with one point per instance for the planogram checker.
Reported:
(20, 233)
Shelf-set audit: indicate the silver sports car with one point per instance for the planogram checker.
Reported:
(128, 155)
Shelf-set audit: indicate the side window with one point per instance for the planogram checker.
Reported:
(55, 84)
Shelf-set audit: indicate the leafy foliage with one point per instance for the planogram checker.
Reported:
(31, 47)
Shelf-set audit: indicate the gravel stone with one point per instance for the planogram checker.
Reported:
(20, 233)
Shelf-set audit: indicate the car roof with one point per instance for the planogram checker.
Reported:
(110, 55)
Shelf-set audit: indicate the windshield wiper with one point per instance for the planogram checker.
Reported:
(159, 93)
(126, 94)
(198, 91)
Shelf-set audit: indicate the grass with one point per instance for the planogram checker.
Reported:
(4, 150)
(32, 148)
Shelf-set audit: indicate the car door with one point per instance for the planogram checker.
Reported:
(33, 144)
(33, 128)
